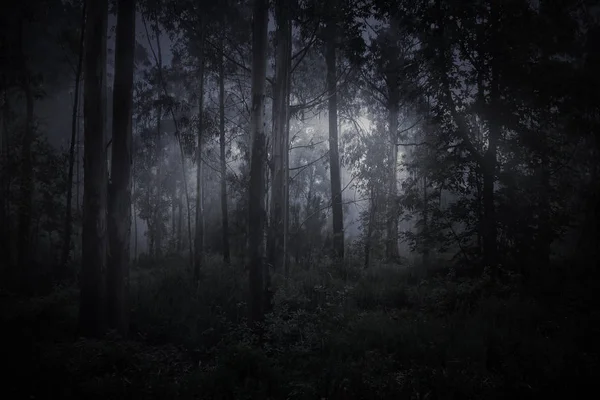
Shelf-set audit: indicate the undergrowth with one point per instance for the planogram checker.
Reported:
(334, 332)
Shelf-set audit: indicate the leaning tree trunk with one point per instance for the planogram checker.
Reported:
(199, 234)
(92, 279)
(119, 205)
(277, 236)
(68, 215)
(257, 213)
(334, 160)
(224, 211)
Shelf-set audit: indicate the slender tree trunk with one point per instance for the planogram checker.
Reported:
(257, 213)
(222, 153)
(134, 220)
(277, 236)
(119, 206)
(74, 122)
(370, 228)
(78, 186)
(179, 222)
(199, 236)
(26, 184)
(5, 182)
(334, 160)
(489, 160)
(92, 280)
(187, 202)
(159, 155)
(425, 233)
(392, 218)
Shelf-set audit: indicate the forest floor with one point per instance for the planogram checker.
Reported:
(334, 333)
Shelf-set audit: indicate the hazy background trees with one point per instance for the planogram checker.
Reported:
(294, 141)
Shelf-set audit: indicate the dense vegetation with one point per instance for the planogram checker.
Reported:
(348, 199)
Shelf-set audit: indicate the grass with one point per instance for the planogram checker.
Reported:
(335, 333)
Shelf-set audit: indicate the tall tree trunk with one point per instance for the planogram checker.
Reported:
(392, 217)
(74, 122)
(134, 215)
(425, 232)
(278, 225)
(5, 181)
(370, 228)
(257, 213)
(119, 200)
(199, 236)
(334, 160)
(78, 185)
(222, 153)
(187, 202)
(489, 158)
(159, 154)
(92, 280)
(26, 184)
(179, 222)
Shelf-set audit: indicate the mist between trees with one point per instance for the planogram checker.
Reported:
(299, 199)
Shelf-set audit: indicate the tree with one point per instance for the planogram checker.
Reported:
(278, 227)
(119, 193)
(256, 202)
(26, 187)
(222, 157)
(92, 279)
(199, 233)
(332, 108)
(74, 126)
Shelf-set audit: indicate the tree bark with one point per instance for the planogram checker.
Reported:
(5, 182)
(257, 213)
(370, 228)
(199, 233)
(334, 161)
(92, 280)
(392, 217)
(69, 210)
(222, 153)
(489, 158)
(26, 184)
(119, 206)
(277, 245)
(159, 154)
(425, 232)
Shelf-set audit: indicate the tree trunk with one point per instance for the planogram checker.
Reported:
(224, 211)
(187, 202)
(370, 226)
(278, 225)
(334, 161)
(26, 184)
(179, 223)
(199, 236)
(92, 280)
(158, 207)
(74, 122)
(256, 203)
(425, 233)
(489, 159)
(5, 182)
(392, 217)
(119, 205)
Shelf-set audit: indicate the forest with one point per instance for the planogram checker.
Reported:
(299, 199)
